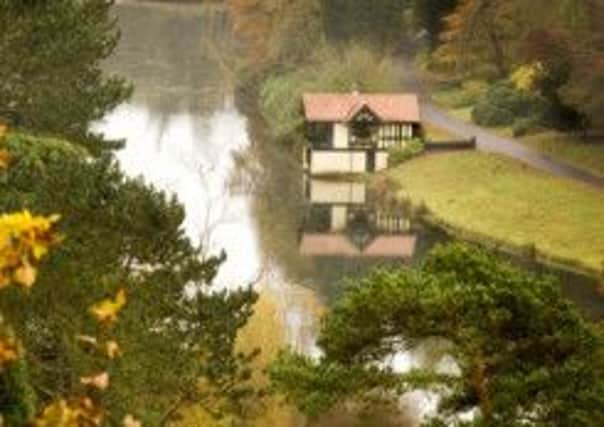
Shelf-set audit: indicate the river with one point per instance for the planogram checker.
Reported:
(297, 239)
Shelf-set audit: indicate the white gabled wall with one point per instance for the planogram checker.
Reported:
(324, 191)
(339, 218)
(340, 135)
(330, 161)
(381, 160)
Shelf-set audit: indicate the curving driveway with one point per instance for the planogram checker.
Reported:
(490, 142)
(485, 139)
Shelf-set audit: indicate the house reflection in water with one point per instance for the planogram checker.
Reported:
(343, 222)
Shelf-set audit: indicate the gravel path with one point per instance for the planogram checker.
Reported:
(490, 142)
(486, 140)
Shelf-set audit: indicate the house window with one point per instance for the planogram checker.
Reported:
(319, 134)
(362, 127)
(365, 129)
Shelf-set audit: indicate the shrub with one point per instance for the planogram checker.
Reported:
(458, 95)
(471, 92)
(526, 125)
(502, 103)
(410, 149)
(486, 114)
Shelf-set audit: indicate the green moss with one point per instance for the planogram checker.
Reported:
(502, 199)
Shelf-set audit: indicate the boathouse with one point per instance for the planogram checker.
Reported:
(342, 224)
(352, 133)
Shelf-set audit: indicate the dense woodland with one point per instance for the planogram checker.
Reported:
(536, 64)
(95, 328)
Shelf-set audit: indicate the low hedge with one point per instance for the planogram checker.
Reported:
(410, 149)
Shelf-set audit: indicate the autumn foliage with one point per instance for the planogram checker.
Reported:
(24, 240)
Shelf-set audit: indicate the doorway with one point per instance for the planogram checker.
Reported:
(370, 156)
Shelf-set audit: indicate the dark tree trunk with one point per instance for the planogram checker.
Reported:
(498, 54)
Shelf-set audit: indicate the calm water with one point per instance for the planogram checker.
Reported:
(295, 237)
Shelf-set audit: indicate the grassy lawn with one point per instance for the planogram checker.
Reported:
(569, 149)
(462, 113)
(458, 101)
(446, 100)
(492, 196)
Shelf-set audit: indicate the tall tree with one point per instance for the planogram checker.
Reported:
(120, 233)
(479, 30)
(584, 89)
(429, 15)
(277, 32)
(51, 78)
(525, 355)
(253, 22)
(378, 23)
(298, 27)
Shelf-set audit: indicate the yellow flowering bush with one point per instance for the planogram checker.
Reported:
(24, 241)
(526, 76)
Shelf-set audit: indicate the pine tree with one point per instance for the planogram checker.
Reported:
(51, 79)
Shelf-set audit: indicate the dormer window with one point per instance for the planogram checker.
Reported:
(363, 126)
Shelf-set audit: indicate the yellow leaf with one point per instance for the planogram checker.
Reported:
(24, 239)
(5, 159)
(3, 130)
(39, 250)
(58, 414)
(89, 412)
(25, 275)
(130, 421)
(9, 351)
(100, 381)
(77, 413)
(4, 280)
(106, 311)
(87, 339)
(113, 349)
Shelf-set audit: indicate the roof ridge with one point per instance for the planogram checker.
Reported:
(343, 106)
(356, 107)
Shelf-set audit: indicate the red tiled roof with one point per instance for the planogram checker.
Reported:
(329, 244)
(392, 246)
(341, 107)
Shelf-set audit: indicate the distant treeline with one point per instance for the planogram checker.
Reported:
(544, 56)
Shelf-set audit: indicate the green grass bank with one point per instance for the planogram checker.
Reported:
(565, 147)
(488, 197)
